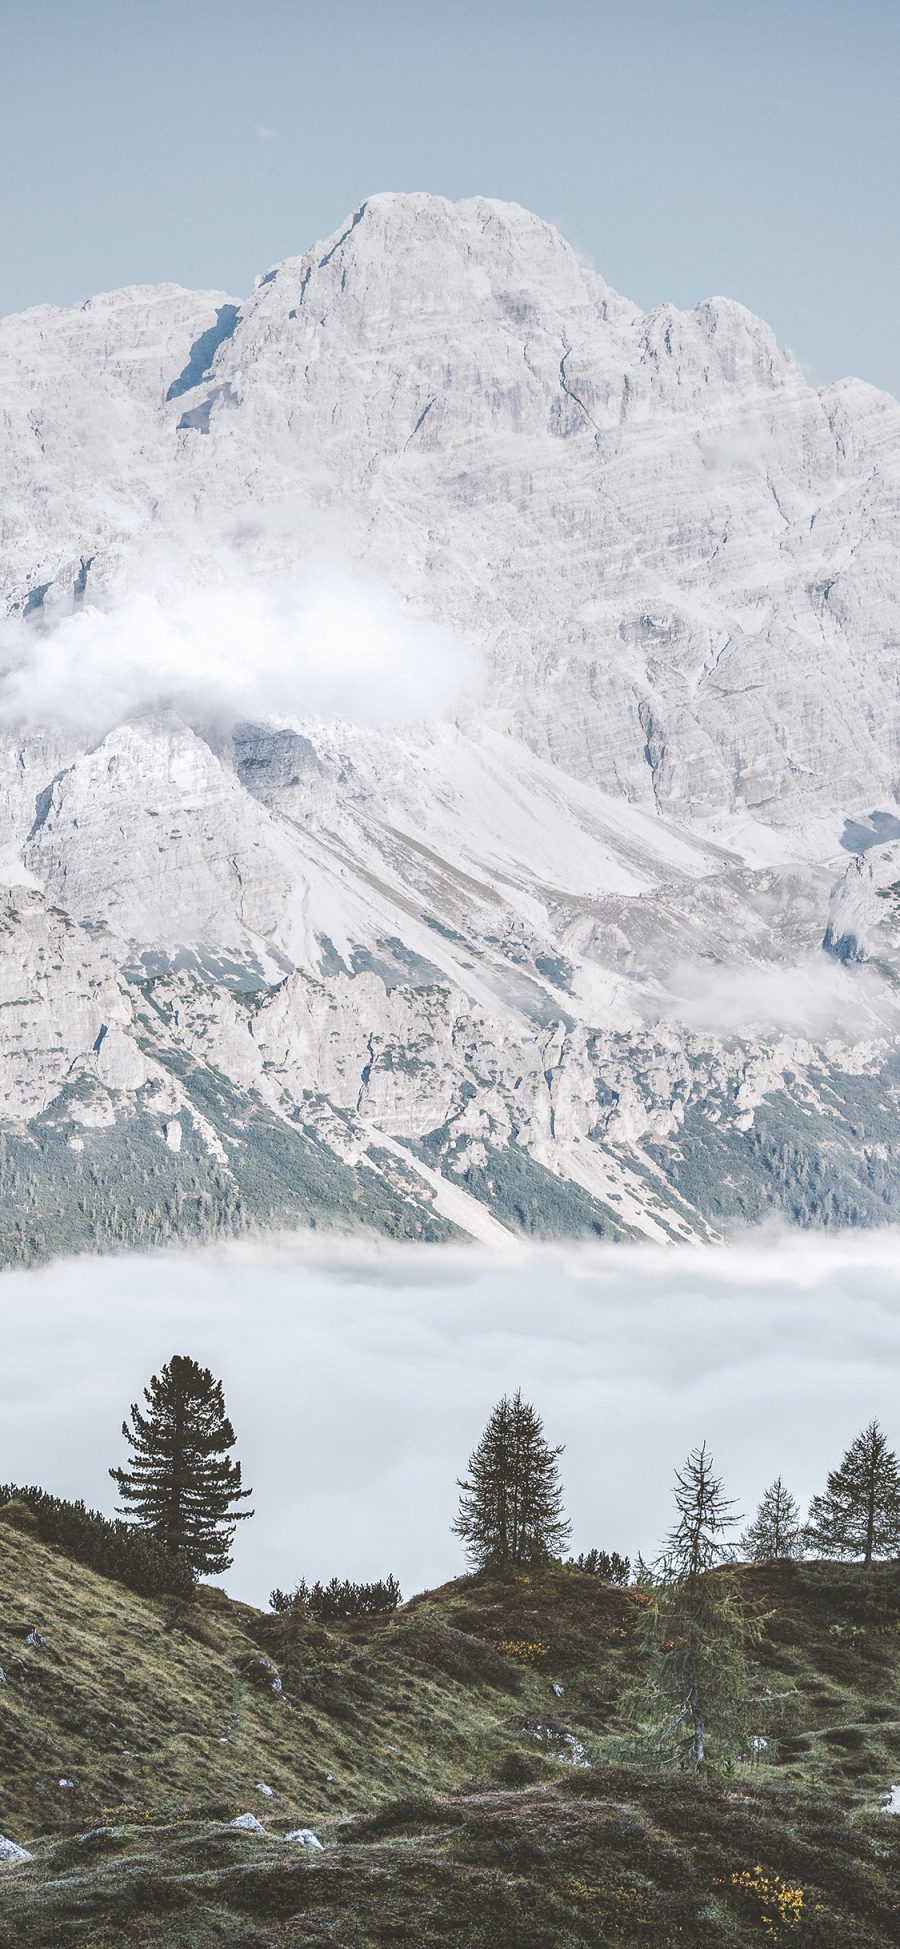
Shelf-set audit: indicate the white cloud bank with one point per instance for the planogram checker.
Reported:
(324, 644)
(813, 998)
(359, 1378)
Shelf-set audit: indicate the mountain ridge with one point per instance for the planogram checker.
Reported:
(571, 924)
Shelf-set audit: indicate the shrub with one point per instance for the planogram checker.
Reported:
(338, 1599)
(524, 1652)
(608, 1564)
(778, 1908)
(112, 1548)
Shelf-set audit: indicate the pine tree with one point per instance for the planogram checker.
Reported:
(511, 1504)
(181, 1483)
(859, 1514)
(697, 1541)
(776, 1533)
(694, 1696)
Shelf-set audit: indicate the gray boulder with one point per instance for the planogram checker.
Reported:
(10, 1852)
(248, 1824)
(304, 1837)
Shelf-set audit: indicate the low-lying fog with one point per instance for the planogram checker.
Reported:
(359, 1378)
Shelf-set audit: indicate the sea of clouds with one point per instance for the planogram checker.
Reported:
(359, 1377)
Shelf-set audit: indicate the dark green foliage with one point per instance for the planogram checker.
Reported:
(182, 1484)
(511, 1508)
(615, 1569)
(337, 1599)
(776, 1533)
(127, 1189)
(112, 1549)
(694, 1699)
(695, 1704)
(784, 1164)
(521, 1192)
(859, 1513)
(621, 1861)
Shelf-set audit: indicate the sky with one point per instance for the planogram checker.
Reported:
(359, 1377)
(687, 147)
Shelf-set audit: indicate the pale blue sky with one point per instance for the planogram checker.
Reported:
(689, 147)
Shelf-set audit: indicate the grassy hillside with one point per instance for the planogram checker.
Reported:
(461, 1796)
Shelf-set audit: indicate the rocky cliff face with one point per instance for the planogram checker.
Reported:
(438, 702)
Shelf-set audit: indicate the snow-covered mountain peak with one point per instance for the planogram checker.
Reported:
(674, 557)
(438, 701)
(414, 242)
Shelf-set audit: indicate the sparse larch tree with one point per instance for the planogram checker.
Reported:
(694, 1698)
(697, 1540)
(511, 1503)
(859, 1513)
(776, 1533)
(181, 1483)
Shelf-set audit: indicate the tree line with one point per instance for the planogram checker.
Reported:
(182, 1491)
(511, 1504)
(694, 1697)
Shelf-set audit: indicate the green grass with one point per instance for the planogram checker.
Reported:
(431, 1754)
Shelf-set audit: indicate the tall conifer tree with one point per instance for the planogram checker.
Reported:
(182, 1484)
(511, 1503)
(693, 1700)
(776, 1533)
(859, 1513)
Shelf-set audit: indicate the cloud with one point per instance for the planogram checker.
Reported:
(266, 135)
(359, 1376)
(812, 998)
(291, 647)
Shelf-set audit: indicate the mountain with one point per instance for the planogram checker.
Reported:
(450, 736)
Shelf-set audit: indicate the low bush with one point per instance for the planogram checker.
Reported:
(338, 1599)
(608, 1564)
(113, 1548)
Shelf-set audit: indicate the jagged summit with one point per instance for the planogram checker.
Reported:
(397, 229)
(427, 252)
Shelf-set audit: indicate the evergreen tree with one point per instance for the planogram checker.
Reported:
(181, 1483)
(776, 1533)
(694, 1700)
(511, 1504)
(859, 1513)
(697, 1541)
